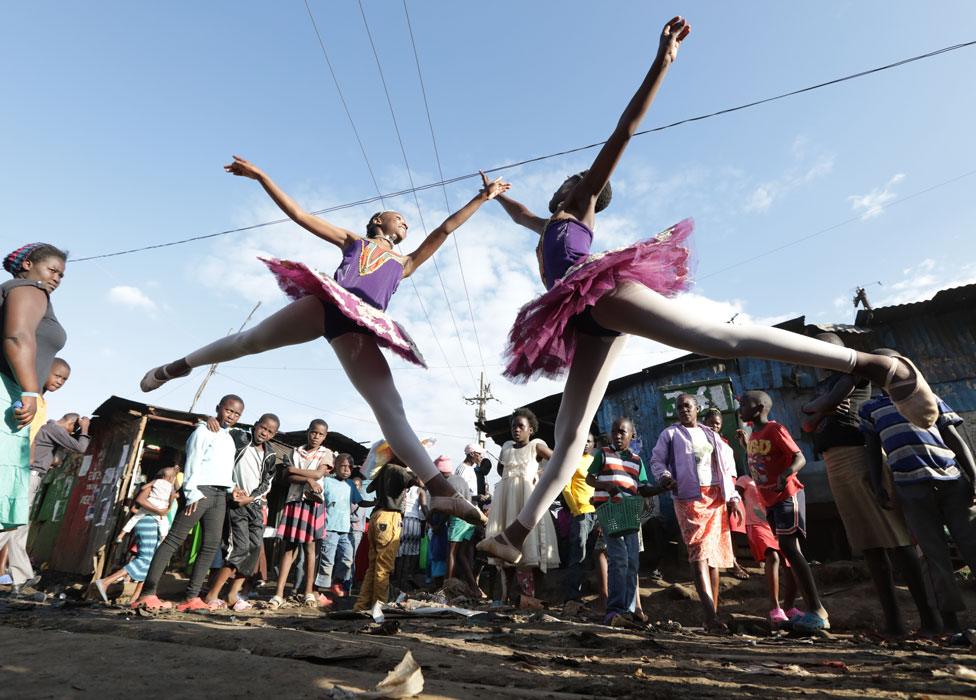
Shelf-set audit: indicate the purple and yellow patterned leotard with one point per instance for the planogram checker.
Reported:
(355, 300)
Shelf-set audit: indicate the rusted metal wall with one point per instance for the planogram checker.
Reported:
(91, 511)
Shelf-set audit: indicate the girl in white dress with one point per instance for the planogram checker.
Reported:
(519, 466)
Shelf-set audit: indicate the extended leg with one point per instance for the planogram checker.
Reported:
(585, 387)
(633, 308)
(369, 372)
(299, 322)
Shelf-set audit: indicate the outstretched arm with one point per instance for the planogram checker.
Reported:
(491, 189)
(521, 215)
(320, 227)
(582, 200)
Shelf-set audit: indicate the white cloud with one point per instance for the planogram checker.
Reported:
(805, 168)
(872, 204)
(133, 297)
(924, 280)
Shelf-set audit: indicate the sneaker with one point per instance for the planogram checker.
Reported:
(193, 605)
(778, 616)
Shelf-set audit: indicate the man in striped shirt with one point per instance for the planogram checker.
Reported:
(933, 475)
(614, 473)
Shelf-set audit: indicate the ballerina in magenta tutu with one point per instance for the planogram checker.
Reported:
(594, 300)
(349, 311)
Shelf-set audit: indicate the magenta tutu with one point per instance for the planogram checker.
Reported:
(543, 340)
(297, 280)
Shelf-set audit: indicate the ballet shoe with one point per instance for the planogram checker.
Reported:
(150, 382)
(459, 507)
(920, 406)
(500, 547)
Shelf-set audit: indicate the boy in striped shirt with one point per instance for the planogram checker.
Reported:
(616, 473)
(933, 475)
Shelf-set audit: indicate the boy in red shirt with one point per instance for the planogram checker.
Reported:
(774, 460)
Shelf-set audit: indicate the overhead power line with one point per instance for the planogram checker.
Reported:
(440, 174)
(536, 159)
(376, 186)
(416, 199)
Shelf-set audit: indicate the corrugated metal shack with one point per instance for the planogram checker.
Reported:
(937, 334)
(84, 504)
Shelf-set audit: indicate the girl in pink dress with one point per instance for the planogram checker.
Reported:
(580, 323)
(349, 311)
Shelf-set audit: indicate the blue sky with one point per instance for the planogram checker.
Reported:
(118, 116)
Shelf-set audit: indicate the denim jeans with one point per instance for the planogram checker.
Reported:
(335, 555)
(581, 531)
(623, 559)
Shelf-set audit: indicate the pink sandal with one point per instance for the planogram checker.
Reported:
(151, 602)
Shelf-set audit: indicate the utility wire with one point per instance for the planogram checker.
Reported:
(440, 174)
(416, 198)
(382, 200)
(508, 166)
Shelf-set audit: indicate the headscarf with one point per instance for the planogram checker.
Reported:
(15, 260)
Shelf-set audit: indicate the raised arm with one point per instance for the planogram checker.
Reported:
(581, 201)
(521, 215)
(320, 227)
(490, 190)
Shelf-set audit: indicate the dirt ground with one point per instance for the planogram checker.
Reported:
(73, 648)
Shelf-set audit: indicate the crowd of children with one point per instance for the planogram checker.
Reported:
(920, 482)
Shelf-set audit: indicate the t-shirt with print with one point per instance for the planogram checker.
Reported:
(771, 451)
(703, 457)
(339, 496)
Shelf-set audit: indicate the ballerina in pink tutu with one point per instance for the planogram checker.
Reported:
(594, 300)
(349, 311)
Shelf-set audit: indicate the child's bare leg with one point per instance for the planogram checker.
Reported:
(137, 591)
(791, 586)
(451, 558)
(299, 322)
(909, 565)
(635, 309)
(713, 573)
(284, 568)
(218, 583)
(884, 585)
(311, 551)
(603, 566)
(234, 593)
(585, 386)
(772, 577)
(801, 569)
(703, 584)
(112, 578)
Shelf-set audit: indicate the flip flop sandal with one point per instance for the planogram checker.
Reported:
(100, 587)
(920, 406)
(276, 602)
(500, 547)
(811, 623)
(241, 605)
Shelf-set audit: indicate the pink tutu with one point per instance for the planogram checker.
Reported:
(543, 340)
(297, 280)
